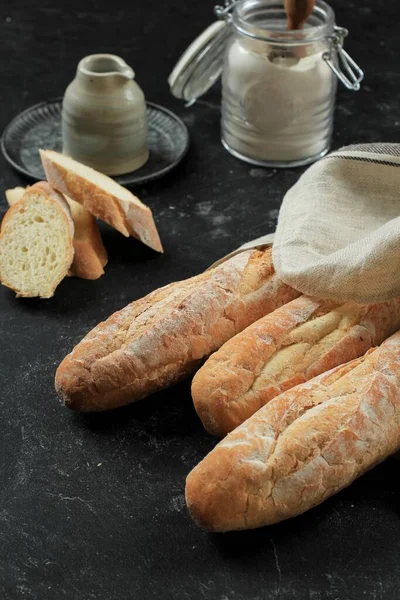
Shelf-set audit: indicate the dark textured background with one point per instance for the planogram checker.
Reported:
(92, 507)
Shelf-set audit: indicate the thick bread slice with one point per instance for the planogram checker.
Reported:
(302, 447)
(36, 247)
(289, 346)
(15, 194)
(163, 338)
(102, 196)
(90, 255)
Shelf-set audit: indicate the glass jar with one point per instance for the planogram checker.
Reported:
(278, 94)
(278, 86)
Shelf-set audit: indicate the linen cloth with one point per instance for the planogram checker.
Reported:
(338, 231)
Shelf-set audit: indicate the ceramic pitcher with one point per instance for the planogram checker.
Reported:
(104, 121)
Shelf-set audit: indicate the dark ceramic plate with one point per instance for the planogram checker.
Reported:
(40, 127)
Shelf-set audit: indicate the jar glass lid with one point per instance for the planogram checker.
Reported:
(201, 65)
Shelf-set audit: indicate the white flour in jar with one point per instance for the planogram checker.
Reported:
(276, 107)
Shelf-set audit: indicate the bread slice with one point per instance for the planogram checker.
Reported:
(90, 255)
(36, 248)
(303, 446)
(102, 196)
(15, 194)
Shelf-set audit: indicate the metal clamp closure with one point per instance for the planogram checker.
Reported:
(347, 70)
(225, 12)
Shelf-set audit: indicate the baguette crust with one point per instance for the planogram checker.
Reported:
(302, 447)
(295, 343)
(164, 337)
(119, 208)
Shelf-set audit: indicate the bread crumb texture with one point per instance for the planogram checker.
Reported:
(35, 246)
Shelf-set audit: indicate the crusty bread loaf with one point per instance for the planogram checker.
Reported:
(296, 342)
(164, 337)
(303, 446)
(36, 244)
(102, 196)
(90, 256)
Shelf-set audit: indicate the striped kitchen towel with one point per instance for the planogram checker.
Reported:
(338, 232)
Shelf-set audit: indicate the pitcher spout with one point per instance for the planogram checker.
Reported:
(105, 65)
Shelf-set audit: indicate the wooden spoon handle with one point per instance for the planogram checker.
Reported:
(297, 12)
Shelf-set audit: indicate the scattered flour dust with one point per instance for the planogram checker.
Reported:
(177, 503)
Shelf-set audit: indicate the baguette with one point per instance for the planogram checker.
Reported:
(36, 249)
(285, 348)
(102, 196)
(90, 256)
(302, 447)
(164, 337)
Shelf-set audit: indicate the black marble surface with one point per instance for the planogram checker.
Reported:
(92, 507)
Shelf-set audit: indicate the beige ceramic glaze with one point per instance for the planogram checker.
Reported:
(104, 121)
